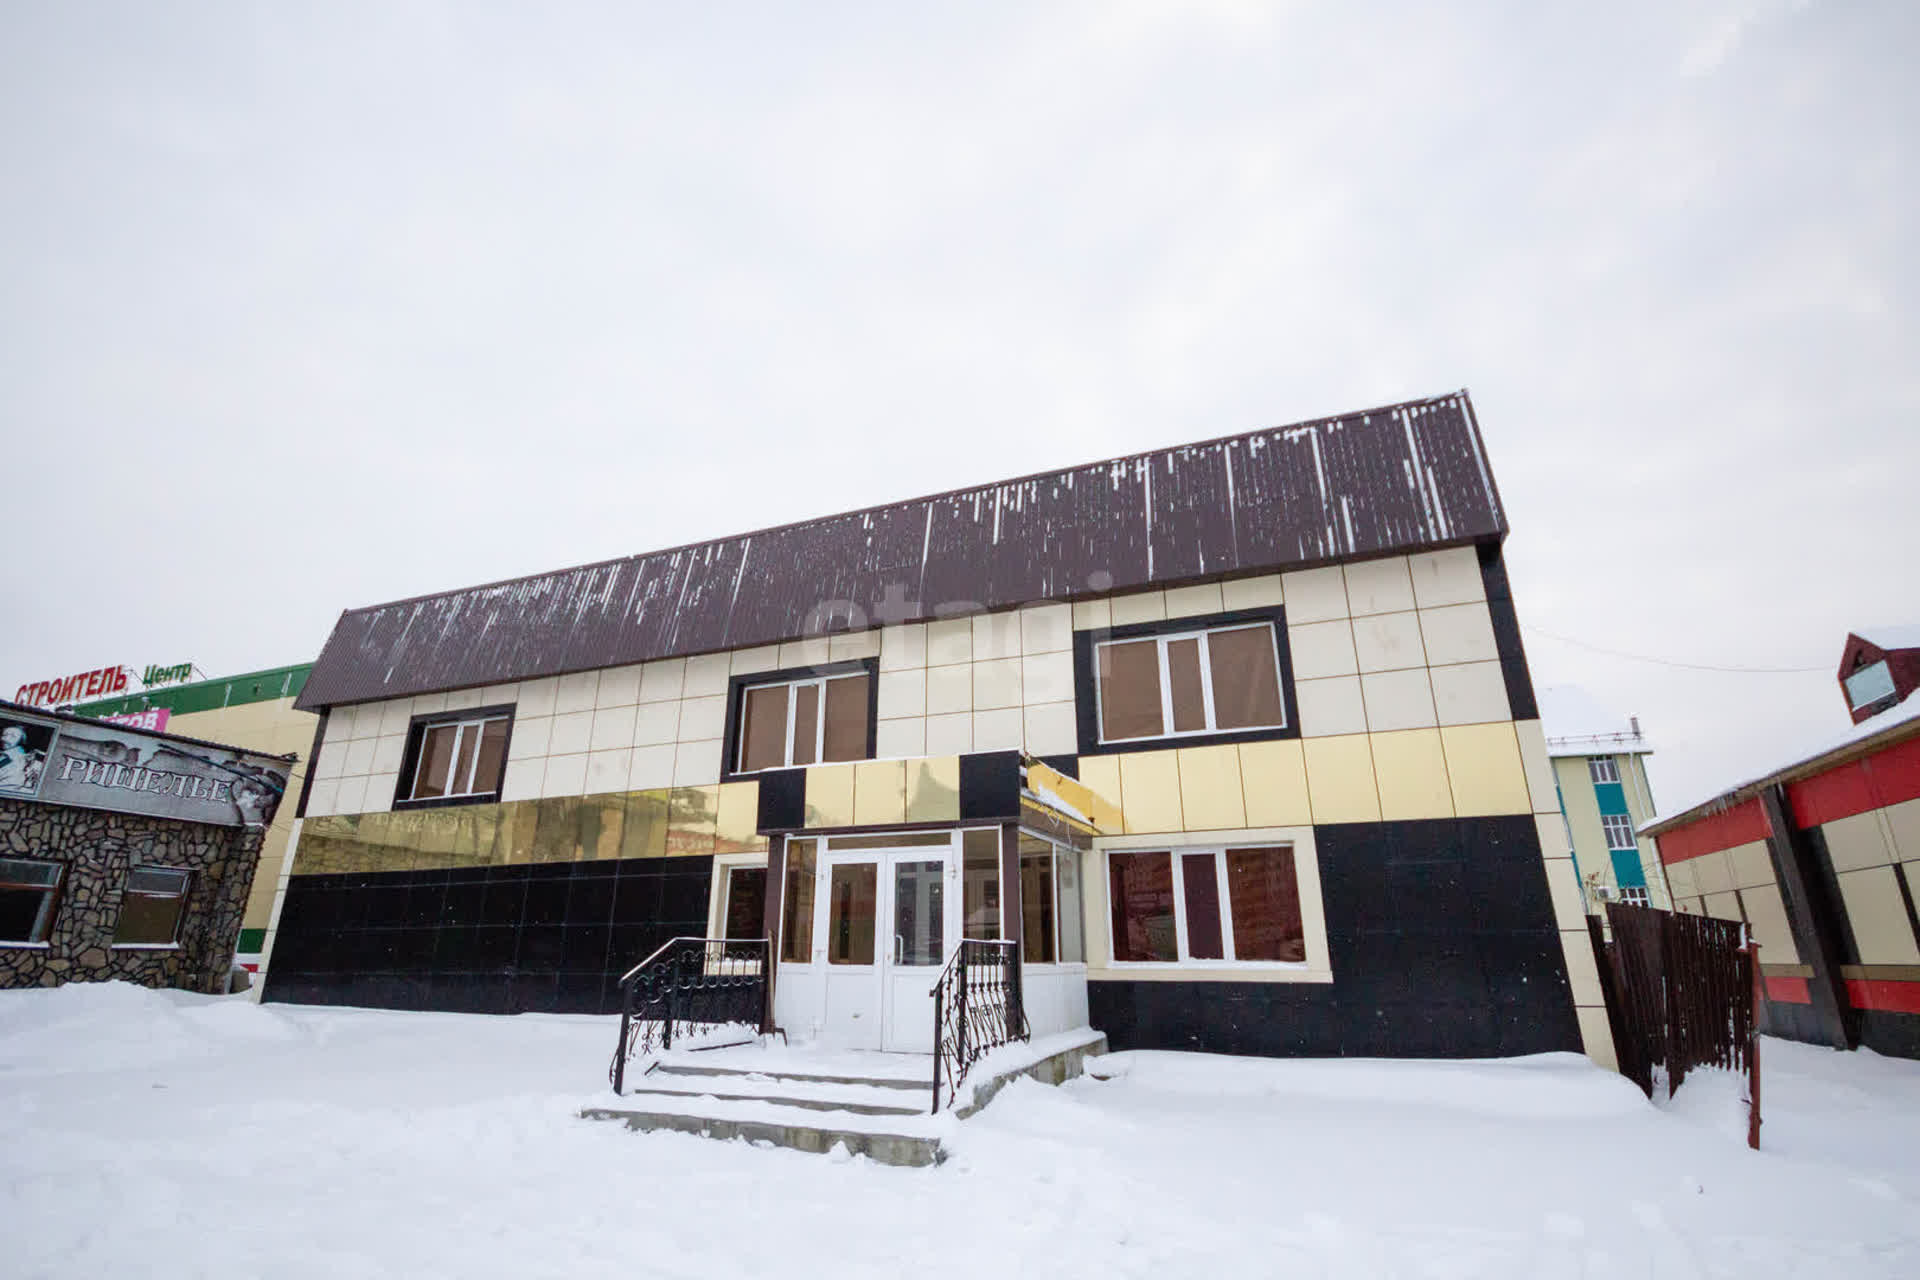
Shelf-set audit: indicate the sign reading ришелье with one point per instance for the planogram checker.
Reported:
(97, 767)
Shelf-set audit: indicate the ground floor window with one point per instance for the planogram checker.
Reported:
(1220, 905)
(796, 908)
(1050, 903)
(28, 887)
(743, 912)
(150, 907)
(980, 884)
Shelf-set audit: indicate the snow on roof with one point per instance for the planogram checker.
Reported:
(1901, 720)
(1576, 724)
(1899, 636)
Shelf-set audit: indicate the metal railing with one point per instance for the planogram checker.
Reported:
(689, 982)
(977, 1006)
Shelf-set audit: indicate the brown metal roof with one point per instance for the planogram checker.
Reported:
(1399, 478)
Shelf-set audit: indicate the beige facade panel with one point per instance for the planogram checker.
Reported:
(949, 735)
(1767, 917)
(1446, 577)
(999, 730)
(1332, 707)
(1263, 592)
(1483, 765)
(1856, 842)
(1321, 649)
(949, 689)
(1583, 971)
(1195, 601)
(880, 793)
(619, 687)
(1553, 835)
(652, 767)
(1411, 770)
(829, 795)
(902, 693)
(1143, 606)
(1470, 693)
(1398, 700)
(1047, 677)
(1378, 586)
(1722, 906)
(1903, 829)
(1340, 781)
(1315, 595)
(933, 789)
(1538, 767)
(1100, 774)
(1563, 883)
(901, 739)
(1092, 615)
(903, 647)
(1458, 633)
(996, 684)
(565, 776)
(1046, 628)
(1150, 785)
(537, 697)
(608, 770)
(1052, 729)
(749, 662)
(1596, 1037)
(1712, 873)
(654, 723)
(1210, 788)
(1878, 914)
(1750, 864)
(950, 640)
(662, 680)
(1274, 779)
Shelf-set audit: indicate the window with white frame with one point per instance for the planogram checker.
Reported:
(1206, 681)
(1601, 769)
(151, 906)
(1205, 906)
(1637, 897)
(28, 888)
(800, 722)
(458, 758)
(1051, 928)
(1619, 830)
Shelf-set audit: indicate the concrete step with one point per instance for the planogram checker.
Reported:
(911, 1150)
(843, 1099)
(878, 1082)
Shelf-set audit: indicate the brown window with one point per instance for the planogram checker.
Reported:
(28, 888)
(853, 898)
(1140, 890)
(796, 912)
(744, 914)
(1038, 904)
(150, 907)
(980, 857)
(1211, 681)
(801, 722)
(1233, 905)
(459, 758)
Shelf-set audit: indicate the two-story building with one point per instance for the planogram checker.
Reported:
(1236, 739)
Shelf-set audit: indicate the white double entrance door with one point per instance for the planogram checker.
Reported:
(887, 926)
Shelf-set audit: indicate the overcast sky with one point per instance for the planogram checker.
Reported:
(308, 307)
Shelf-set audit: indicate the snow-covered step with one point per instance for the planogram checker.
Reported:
(858, 1097)
(921, 1084)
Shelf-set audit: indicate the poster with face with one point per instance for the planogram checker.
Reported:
(24, 745)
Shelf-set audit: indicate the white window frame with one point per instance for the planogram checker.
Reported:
(1182, 959)
(1612, 822)
(1639, 896)
(1061, 852)
(476, 725)
(43, 920)
(793, 710)
(1206, 683)
(1602, 769)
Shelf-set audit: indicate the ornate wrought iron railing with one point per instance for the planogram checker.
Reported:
(689, 982)
(977, 1006)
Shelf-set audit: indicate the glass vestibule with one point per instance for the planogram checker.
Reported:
(868, 920)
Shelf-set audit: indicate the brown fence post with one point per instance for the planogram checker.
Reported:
(1753, 1045)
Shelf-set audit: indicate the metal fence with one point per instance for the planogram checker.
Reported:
(977, 1006)
(689, 982)
(1681, 993)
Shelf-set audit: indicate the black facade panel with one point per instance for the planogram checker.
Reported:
(1442, 941)
(783, 800)
(989, 785)
(1894, 1034)
(526, 938)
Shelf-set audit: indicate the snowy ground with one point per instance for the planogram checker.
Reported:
(162, 1134)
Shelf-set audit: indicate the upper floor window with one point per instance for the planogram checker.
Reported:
(457, 758)
(1193, 682)
(1619, 830)
(28, 888)
(1601, 769)
(819, 720)
(1868, 684)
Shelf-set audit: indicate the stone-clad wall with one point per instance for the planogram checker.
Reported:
(99, 848)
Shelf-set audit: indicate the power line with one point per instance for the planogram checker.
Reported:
(1669, 662)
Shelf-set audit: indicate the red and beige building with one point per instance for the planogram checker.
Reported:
(1821, 857)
